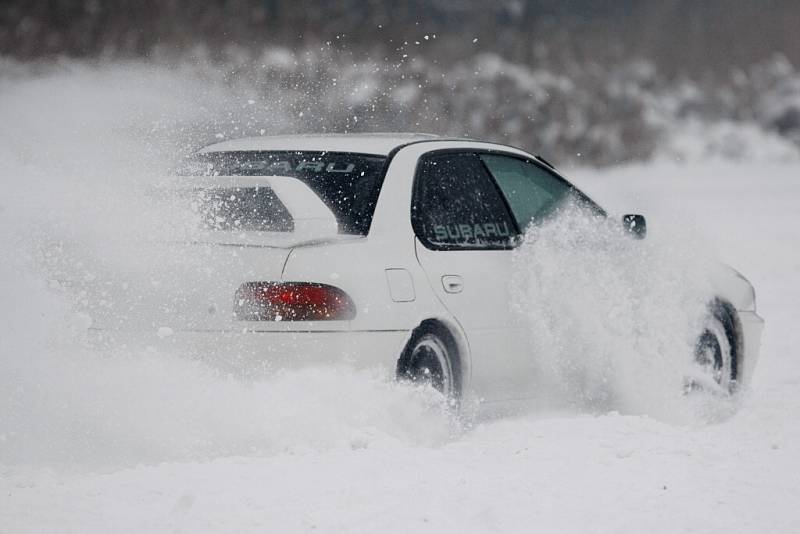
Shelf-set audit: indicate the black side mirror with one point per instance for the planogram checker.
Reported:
(636, 225)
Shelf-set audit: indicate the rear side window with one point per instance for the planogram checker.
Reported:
(456, 205)
(348, 183)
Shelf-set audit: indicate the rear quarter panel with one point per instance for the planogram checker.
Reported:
(359, 268)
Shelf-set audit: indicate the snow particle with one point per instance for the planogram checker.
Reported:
(164, 332)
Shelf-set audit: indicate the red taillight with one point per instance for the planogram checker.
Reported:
(292, 301)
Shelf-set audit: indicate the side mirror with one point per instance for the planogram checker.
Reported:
(636, 225)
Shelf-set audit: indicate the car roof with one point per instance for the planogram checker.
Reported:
(364, 143)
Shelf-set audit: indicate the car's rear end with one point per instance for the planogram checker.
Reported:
(228, 289)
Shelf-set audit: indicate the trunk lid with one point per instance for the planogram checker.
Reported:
(186, 280)
(175, 287)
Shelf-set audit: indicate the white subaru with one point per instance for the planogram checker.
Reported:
(385, 250)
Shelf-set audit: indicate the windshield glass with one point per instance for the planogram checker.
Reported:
(347, 183)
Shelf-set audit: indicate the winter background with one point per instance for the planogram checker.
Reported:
(686, 111)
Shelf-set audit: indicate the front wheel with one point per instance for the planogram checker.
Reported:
(716, 351)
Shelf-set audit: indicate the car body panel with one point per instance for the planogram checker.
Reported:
(480, 301)
(729, 284)
(178, 286)
(751, 327)
(252, 353)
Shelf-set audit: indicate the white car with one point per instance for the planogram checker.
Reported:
(385, 250)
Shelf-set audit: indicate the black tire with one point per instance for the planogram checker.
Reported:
(716, 349)
(431, 358)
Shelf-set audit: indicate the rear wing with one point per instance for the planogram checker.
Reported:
(311, 217)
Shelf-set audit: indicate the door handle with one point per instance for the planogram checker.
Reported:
(452, 283)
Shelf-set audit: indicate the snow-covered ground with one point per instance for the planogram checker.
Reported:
(149, 442)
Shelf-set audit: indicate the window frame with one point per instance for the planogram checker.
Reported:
(517, 239)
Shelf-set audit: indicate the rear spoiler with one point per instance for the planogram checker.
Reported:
(312, 217)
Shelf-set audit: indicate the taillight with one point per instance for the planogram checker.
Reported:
(292, 301)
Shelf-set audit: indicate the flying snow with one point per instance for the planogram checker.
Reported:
(610, 319)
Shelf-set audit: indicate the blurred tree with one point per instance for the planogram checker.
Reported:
(584, 81)
(680, 36)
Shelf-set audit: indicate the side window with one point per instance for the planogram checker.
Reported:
(457, 205)
(532, 191)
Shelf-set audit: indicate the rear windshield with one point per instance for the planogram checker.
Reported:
(347, 183)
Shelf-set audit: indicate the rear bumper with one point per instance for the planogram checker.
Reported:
(252, 353)
(752, 326)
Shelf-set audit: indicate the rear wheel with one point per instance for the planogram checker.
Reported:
(429, 359)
